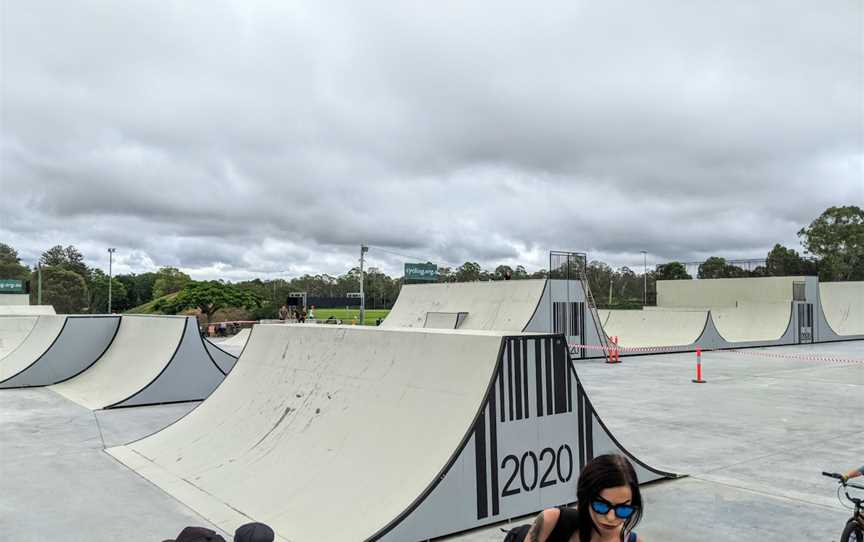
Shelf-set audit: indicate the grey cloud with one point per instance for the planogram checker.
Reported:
(251, 140)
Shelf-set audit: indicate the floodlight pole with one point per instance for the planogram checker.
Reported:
(644, 277)
(363, 250)
(110, 275)
(39, 283)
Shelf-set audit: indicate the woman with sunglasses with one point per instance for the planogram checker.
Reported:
(608, 507)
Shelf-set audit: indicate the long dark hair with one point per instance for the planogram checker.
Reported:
(601, 473)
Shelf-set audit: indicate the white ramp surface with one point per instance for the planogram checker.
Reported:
(13, 331)
(153, 359)
(38, 341)
(653, 328)
(505, 305)
(749, 322)
(409, 427)
(317, 415)
(843, 305)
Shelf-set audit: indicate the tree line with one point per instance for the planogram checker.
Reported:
(833, 242)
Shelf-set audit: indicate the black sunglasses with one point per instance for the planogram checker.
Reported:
(602, 507)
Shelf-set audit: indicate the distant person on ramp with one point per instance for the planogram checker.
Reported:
(609, 506)
(283, 312)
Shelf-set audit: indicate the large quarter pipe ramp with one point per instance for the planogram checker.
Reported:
(423, 432)
(652, 328)
(152, 360)
(58, 348)
(490, 305)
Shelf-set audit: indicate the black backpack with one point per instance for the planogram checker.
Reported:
(517, 534)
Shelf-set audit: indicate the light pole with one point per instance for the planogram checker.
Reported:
(110, 275)
(363, 250)
(644, 277)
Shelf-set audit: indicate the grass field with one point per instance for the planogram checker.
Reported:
(349, 315)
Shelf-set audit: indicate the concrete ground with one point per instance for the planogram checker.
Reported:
(753, 441)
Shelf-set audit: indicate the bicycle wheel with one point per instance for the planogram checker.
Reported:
(852, 532)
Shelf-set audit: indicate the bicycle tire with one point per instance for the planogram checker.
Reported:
(852, 532)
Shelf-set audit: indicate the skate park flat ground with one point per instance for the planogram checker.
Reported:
(753, 441)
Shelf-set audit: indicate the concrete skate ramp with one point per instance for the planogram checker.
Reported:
(408, 426)
(13, 331)
(237, 340)
(152, 360)
(752, 322)
(44, 332)
(843, 304)
(652, 328)
(80, 341)
(226, 351)
(506, 305)
(26, 310)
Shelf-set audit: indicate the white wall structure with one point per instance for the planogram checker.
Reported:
(424, 432)
(726, 293)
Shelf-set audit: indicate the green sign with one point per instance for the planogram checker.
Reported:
(8, 286)
(421, 272)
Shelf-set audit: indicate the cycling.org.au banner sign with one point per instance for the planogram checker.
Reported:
(421, 272)
(8, 286)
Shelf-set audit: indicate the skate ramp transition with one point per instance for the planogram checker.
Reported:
(152, 360)
(58, 348)
(843, 305)
(506, 305)
(753, 322)
(13, 331)
(423, 432)
(653, 328)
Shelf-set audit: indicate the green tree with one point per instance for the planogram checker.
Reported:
(208, 297)
(139, 289)
(99, 293)
(836, 237)
(68, 258)
(503, 272)
(468, 272)
(601, 280)
(672, 271)
(64, 289)
(10, 264)
(713, 268)
(782, 261)
(169, 280)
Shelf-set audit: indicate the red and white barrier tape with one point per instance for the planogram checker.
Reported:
(755, 353)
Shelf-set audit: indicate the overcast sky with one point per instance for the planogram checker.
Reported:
(239, 139)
